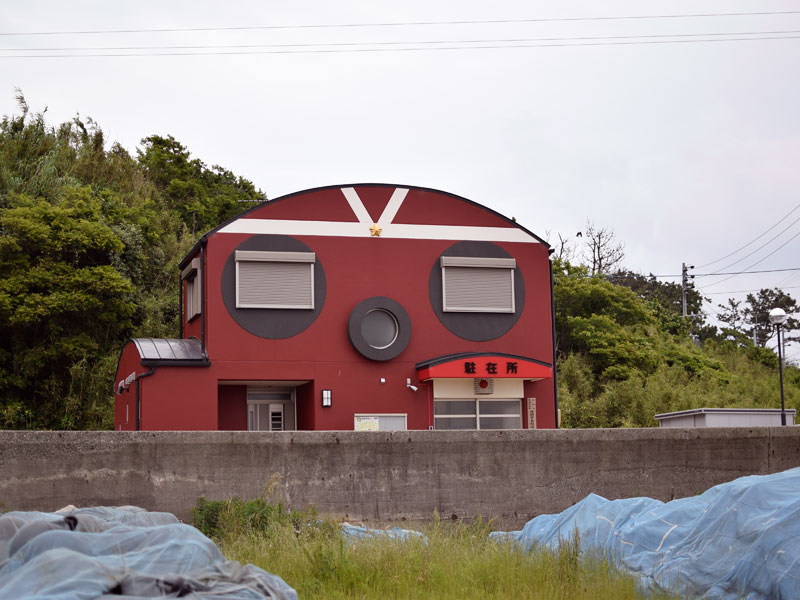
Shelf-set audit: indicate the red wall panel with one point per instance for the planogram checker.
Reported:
(542, 390)
(305, 397)
(429, 207)
(359, 268)
(321, 205)
(128, 363)
(179, 399)
(232, 408)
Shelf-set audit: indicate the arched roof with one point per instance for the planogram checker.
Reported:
(363, 211)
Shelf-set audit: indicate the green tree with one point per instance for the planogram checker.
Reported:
(751, 321)
(613, 342)
(666, 301)
(757, 314)
(605, 322)
(62, 302)
(88, 255)
(732, 314)
(202, 197)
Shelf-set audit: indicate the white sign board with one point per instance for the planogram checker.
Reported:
(531, 413)
(367, 424)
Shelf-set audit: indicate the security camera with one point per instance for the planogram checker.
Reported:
(413, 388)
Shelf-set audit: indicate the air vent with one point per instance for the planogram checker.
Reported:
(483, 387)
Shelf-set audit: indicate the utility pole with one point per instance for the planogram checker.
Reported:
(780, 370)
(777, 316)
(685, 283)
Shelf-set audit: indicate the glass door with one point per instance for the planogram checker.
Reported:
(270, 409)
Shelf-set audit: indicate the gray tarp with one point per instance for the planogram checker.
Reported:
(123, 553)
(737, 540)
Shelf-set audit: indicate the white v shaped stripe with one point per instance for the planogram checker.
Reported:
(395, 202)
(357, 205)
(389, 212)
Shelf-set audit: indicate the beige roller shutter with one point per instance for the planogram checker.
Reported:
(478, 285)
(266, 280)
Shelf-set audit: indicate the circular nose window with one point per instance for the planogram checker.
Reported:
(379, 328)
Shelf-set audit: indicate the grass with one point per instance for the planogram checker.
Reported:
(459, 561)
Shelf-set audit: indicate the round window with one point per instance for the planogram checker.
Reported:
(379, 328)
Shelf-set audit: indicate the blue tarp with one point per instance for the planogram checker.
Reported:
(737, 540)
(121, 553)
(354, 533)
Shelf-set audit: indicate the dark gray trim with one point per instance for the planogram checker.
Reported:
(190, 268)
(475, 326)
(459, 355)
(553, 324)
(191, 252)
(176, 363)
(139, 396)
(180, 306)
(403, 325)
(272, 323)
(471, 261)
(203, 299)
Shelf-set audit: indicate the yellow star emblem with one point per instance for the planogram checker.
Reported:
(375, 231)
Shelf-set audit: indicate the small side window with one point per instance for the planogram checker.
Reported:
(478, 284)
(275, 279)
(193, 289)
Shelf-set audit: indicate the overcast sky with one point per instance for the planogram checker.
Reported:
(687, 150)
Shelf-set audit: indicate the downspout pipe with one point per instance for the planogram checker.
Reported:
(180, 306)
(203, 298)
(553, 319)
(139, 396)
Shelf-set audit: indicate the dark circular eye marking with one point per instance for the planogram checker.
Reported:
(272, 323)
(477, 326)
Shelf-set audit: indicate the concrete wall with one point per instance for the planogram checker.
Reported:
(378, 477)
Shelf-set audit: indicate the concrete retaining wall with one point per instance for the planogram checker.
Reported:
(379, 477)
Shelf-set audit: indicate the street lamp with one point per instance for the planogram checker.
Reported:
(777, 316)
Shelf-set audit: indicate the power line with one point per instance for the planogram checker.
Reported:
(361, 50)
(792, 278)
(747, 270)
(769, 241)
(607, 276)
(733, 272)
(408, 43)
(406, 23)
(791, 287)
(751, 241)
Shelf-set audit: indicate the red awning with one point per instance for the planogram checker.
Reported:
(473, 365)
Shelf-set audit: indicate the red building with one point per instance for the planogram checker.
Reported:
(353, 307)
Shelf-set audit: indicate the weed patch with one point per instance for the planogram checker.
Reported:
(456, 561)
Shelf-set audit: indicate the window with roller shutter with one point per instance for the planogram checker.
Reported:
(478, 284)
(275, 279)
(192, 290)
